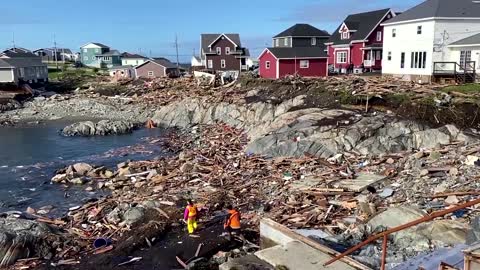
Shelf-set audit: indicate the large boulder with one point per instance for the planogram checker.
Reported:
(20, 239)
(102, 128)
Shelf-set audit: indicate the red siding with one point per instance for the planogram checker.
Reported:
(341, 65)
(356, 54)
(317, 68)
(372, 39)
(270, 73)
(331, 56)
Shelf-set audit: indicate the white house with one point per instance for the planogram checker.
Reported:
(197, 62)
(129, 59)
(433, 39)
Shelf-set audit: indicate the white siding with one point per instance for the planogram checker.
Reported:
(407, 40)
(133, 61)
(449, 31)
(6, 75)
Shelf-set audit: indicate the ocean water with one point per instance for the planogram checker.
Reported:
(30, 154)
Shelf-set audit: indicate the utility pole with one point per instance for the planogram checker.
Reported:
(176, 48)
(13, 41)
(55, 51)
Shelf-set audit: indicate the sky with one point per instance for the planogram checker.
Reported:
(149, 27)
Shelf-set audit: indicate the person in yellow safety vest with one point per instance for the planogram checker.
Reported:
(232, 221)
(190, 217)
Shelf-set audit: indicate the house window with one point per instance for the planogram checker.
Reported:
(341, 57)
(97, 50)
(285, 41)
(227, 50)
(314, 41)
(150, 74)
(379, 36)
(378, 55)
(402, 60)
(394, 32)
(210, 64)
(389, 57)
(267, 65)
(465, 57)
(85, 50)
(418, 60)
(222, 63)
(345, 35)
(419, 30)
(219, 51)
(304, 63)
(277, 42)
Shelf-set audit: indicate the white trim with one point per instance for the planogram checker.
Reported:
(430, 18)
(464, 45)
(304, 67)
(208, 63)
(358, 41)
(328, 43)
(223, 63)
(218, 50)
(227, 50)
(278, 69)
(267, 65)
(379, 36)
(341, 46)
(337, 55)
(341, 26)
(264, 51)
(236, 45)
(313, 41)
(150, 73)
(379, 22)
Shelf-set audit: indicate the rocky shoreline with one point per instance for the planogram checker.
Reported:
(262, 155)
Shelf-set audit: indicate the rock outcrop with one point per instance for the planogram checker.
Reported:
(280, 130)
(102, 128)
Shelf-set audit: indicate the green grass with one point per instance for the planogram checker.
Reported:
(57, 75)
(472, 88)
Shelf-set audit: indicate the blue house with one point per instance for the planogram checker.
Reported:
(100, 56)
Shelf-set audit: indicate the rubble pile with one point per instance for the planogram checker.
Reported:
(339, 195)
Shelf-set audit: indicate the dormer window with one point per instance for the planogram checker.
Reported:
(277, 42)
(345, 35)
(314, 41)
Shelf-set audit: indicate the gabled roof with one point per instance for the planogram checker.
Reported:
(18, 54)
(20, 62)
(207, 39)
(127, 55)
(303, 30)
(60, 50)
(297, 52)
(161, 62)
(362, 25)
(18, 49)
(440, 9)
(469, 41)
(96, 44)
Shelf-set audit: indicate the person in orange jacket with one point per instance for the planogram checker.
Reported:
(190, 217)
(232, 221)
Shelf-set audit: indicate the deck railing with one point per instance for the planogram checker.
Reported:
(462, 73)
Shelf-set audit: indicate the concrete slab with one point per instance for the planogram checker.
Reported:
(360, 183)
(297, 255)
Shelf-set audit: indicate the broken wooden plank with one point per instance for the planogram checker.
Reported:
(360, 183)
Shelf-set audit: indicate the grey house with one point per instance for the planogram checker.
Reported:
(22, 70)
(21, 66)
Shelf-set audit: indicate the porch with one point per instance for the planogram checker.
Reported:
(464, 72)
(372, 58)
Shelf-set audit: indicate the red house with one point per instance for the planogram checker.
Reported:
(298, 50)
(357, 44)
